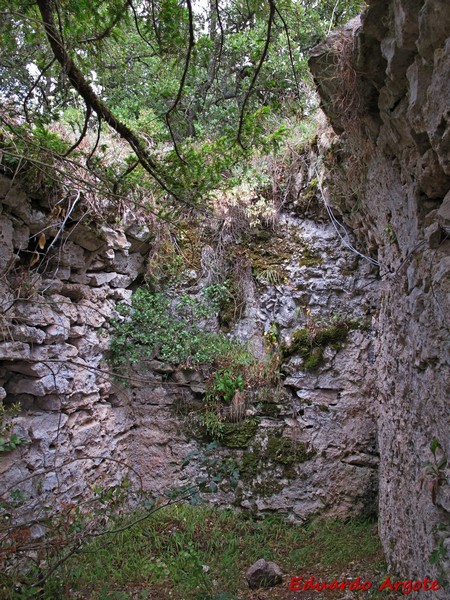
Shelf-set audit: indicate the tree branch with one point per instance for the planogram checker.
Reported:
(291, 56)
(101, 36)
(91, 99)
(33, 87)
(256, 73)
(83, 132)
(183, 78)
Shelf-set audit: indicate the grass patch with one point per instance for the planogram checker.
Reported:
(201, 553)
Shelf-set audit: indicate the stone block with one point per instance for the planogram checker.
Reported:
(6, 242)
(45, 427)
(116, 240)
(434, 26)
(99, 279)
(23, 333)
(263, 574)
(16, 199)
(86, 237)
(34, 313)
(30, 369)
(14, 351)
(71, 255)
(60, 352)
(49, 384)
(432, 180)
(122, 281)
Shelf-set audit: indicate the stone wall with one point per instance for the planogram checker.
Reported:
(56, 301)
(390, 176)
(304, 447)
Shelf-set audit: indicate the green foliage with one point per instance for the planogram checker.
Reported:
(390, 233)
(157, 325)
(224, 386)
(436, 468)
(212, 423)
(218, 472)
(9, 441)
(310, 342)
(434, 471)
(182, 96)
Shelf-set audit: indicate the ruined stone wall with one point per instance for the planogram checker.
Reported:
(390, 176)
(304, 447)
(80, 427)
(56, 302)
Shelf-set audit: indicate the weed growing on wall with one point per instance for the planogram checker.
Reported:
(174, 330)
(9, 440)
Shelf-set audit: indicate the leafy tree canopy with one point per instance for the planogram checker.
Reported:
(190, 86)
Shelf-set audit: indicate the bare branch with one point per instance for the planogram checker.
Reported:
(83, 132)
(97, 141)
(191, 44)
(33, 87)
(136, 22)
(257, 70)
(291, 56)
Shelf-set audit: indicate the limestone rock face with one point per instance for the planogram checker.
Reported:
(314, 444)
(394, 161)
(310, 447)
(52, 352)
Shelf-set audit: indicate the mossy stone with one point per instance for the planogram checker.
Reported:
(249, 466)
(310, 346)
(331, 335)
(267, 487)
(269, 409)
(309, 258)
(238, 435)
(299, 345)
(287, 452)
(314, 359)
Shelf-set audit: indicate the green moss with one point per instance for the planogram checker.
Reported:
(299, 345)
(311, 345)
(311, 190)
(331, 335)
(267, 487)
(314, 359)
(324, 408)
(227, 315)
(287, 452)
(269, 409)
(249, 466)
(309, 258)
(238, 435)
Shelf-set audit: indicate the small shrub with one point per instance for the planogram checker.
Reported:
(212, 423)
(157, 325)
(224, 386)
(8, 440)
